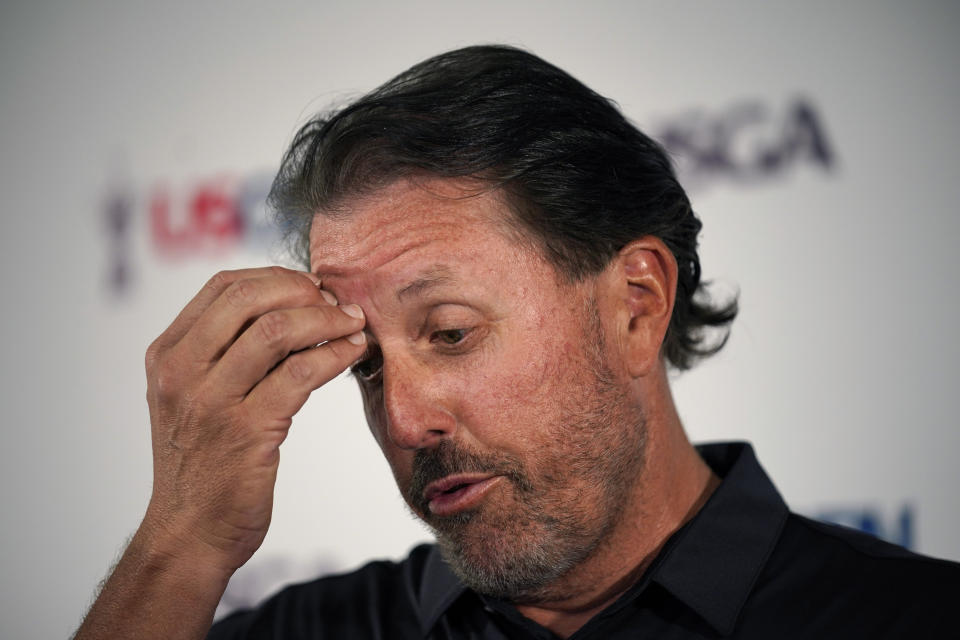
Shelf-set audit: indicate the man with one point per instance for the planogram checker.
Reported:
(509, 268)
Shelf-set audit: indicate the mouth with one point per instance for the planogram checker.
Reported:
(457, 493)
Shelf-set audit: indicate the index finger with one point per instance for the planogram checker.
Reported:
(210, 291)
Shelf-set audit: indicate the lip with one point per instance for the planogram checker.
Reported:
(460, 492)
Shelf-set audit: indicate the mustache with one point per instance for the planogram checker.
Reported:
(448, 459)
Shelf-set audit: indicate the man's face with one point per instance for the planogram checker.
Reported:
(486, 382)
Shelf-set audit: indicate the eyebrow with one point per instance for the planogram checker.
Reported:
(435, 277)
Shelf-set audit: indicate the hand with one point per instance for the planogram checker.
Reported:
(223, 383)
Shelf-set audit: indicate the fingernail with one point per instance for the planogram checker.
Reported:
(352, 310)
(314, 278)
(357, 338)
(329, 297)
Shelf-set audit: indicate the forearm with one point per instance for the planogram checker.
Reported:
(153, 593)
(223, 383)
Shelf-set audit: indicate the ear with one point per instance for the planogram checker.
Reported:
(645, 285)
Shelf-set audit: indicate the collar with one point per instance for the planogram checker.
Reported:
(710, 564)
(439, 589)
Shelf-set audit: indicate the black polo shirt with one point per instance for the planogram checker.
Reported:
(744, 567)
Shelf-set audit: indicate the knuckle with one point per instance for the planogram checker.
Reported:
(166, 378)
(241, 293)
(298, 369)
(272, 328)
(220, 281)
(277, 270)
(153, 354)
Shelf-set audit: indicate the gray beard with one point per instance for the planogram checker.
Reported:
(502, 567)
(522, 554)
(491, 562)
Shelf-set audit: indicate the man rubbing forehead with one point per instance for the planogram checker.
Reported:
(488, 386)
(509, 268)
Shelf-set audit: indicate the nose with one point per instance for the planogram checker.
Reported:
(413, 403)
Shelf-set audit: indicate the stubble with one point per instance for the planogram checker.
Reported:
(560, 507)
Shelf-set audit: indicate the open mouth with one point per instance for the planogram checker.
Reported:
(456, 493)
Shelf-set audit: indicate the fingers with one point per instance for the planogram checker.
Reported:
(212, 291)
(241, 303)
(239, 327)
(220, 404)
(287, 387)
(278, 333)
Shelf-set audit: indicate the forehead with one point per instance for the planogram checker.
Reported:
(411, 226)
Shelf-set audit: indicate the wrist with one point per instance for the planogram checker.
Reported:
(159, 589)
(162, 549)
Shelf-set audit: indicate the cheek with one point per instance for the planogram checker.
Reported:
(512, 399)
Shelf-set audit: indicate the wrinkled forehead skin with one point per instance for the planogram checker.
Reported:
(387, 237)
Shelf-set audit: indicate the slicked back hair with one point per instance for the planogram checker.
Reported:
(580, 178)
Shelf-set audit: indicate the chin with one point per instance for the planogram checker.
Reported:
(517, 560)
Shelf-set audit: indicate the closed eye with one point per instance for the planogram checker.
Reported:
(449, 337)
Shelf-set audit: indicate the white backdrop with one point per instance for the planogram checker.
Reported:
(820, 142)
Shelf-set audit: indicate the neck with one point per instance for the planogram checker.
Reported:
(673, 486)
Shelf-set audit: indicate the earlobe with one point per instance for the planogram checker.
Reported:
(647, 275)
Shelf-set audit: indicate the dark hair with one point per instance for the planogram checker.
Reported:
(576, 173)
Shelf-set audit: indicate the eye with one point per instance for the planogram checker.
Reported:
(369, 367)
(449, 336)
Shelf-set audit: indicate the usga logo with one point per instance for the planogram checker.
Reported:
(210, 217)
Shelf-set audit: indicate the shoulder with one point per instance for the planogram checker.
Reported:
(837, 578)
(381, 595)
(852, 556)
